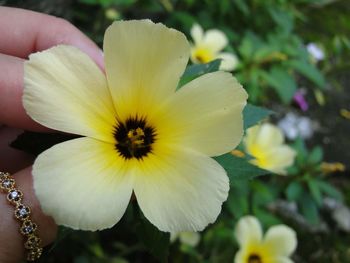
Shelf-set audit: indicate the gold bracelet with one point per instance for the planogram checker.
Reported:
(22, 213)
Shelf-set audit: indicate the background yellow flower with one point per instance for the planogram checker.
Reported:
(265, 143)
(276, 246)
(207, 46)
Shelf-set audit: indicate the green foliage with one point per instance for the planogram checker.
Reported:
(253, 114)
(238, 168)
(157, 242)
(309, 186)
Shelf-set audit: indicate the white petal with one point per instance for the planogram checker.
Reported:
(279, 158)
(207, 114)
(66, 91)
(180, 190)
(239, 257)
(82, 184)
(144, 62)
(229, 61)
(248, 231)
(280, 241)
(269, 136)
(190, 238)
(197, 33)
(215, 39)
(279, 260)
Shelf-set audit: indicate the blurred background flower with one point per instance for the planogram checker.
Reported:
(207, 46)
(265, 143)
(277, 245)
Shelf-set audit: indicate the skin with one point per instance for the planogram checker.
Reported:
(22, 33)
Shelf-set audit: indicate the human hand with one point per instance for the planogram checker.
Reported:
(24, 32)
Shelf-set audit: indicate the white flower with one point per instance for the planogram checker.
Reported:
(294, 126)
(207, 46)
(276, 246)
(315, 51)
(139, 135)
(265, 143)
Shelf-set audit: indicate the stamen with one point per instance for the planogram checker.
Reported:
(137, 136)
(134, 138)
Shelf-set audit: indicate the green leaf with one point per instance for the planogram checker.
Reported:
(315, 191)
(316, 155)
(253, 114)
(294, 191)
(266, 217)
(299, 146)
(196, 70)
(283, 18)
(239, 168)
(329, 190)
(309, 71)
(262, 194)
(155, 241)
(282, 82)
(237, 201)
(246, 48)
(309, 208)
(62, 233)
(242, 6)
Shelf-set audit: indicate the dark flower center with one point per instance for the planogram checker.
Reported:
(134, 138)
(254, 258)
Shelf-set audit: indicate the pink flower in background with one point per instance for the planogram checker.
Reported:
(299, 99)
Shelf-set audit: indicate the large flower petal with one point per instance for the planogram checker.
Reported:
(215, 39)
(180, 190)
(207, 114)
(66, 91)
(248, 231)
(280, 241)
(82, 184)
(144, 62)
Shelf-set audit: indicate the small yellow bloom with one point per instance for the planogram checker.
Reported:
(139, 135)
(265, 143)
(329, 168)
(207, 47)
(276, 246)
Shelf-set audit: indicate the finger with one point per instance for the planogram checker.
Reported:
(12, 112)
(11, 249)
(12, 160)
(24, 32)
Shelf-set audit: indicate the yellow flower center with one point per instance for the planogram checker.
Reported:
(203, 55)
(259, 155)
(254, 258)
(134, 138)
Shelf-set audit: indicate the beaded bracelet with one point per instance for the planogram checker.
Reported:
(22, 213)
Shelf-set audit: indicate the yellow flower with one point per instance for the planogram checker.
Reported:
(265, 143)
(139, 135)
(276, 247)
(207, 47)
